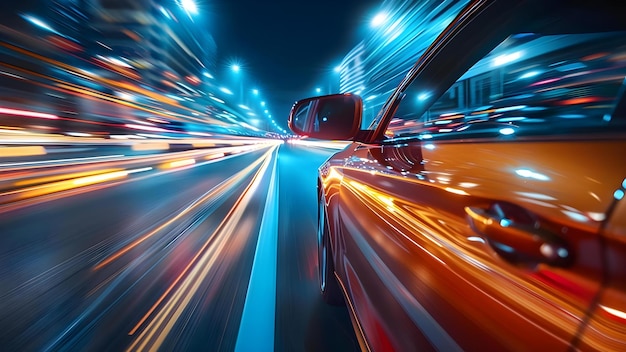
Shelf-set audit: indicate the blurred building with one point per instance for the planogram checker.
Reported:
(401, 33)
(140, 39)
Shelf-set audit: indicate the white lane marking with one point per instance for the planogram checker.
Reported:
(256, 330)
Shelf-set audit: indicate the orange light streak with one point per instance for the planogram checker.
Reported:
(39, 180)
(65, 185)
(212, 193)
(178, 163)
(22, 151)
(176, 307)
(151, 146)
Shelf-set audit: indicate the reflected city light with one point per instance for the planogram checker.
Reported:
(531, 174)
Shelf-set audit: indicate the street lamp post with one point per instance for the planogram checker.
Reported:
(189, 6)
(237, 70)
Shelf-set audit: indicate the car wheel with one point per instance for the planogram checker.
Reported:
(329, 287)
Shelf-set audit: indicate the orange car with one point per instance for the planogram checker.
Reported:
(489, 216)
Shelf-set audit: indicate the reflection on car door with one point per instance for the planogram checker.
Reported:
(453, 232)
(605, 331)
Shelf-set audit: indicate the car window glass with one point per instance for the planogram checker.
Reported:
(300, 118)
(528, 85)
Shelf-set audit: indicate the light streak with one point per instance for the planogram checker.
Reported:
(178, 163)
(256, 329)
(195, 273)
(146, 128)
(45, 179)
(615, 312)
(27, 113)
(151, 146)
(22, 151)
(218, 190)
(456, 191)
(54, 178)
(88, 180)
(203, 144)
(56, 161)
(320, 144)
(214, 156)
(59, 186)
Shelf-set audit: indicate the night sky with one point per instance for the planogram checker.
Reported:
(286, 47)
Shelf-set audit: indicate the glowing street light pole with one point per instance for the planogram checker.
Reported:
(189, 6)
(379, 19)
(237, 70)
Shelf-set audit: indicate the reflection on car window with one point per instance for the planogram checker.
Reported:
(528, 85)
(300, 117)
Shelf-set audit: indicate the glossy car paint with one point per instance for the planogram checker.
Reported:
(425, 265)
(408, 231)
(607, 326)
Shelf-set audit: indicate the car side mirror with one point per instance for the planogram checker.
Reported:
(335, 116)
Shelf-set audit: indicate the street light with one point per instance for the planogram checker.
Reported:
(39, 23)
(189, 6)
(236, 68)
(318, 90)
(379, 19)
(43, 25)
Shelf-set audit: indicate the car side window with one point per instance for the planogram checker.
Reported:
(528, 85)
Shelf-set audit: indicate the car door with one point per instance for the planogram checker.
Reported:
(606, 330)
(477, 224)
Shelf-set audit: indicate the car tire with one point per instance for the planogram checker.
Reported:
(329, 286)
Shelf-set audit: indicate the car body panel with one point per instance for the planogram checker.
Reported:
(399, 222)
(503, 238)
(606, 331)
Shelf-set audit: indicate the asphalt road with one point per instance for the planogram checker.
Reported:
(219, 255)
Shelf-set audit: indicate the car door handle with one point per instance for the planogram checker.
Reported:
(519, 243)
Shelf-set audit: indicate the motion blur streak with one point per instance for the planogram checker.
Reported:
(57, 162)
(204, 267)
(27, 113)
(217, 192)
(320, 144)
(151, 146)
(40, 180)
(53, 187)
(400, 213)
(22, 151)
(178, 163)
(46, 180)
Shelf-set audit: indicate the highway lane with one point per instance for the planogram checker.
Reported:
(304, 322)
(162, 259)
